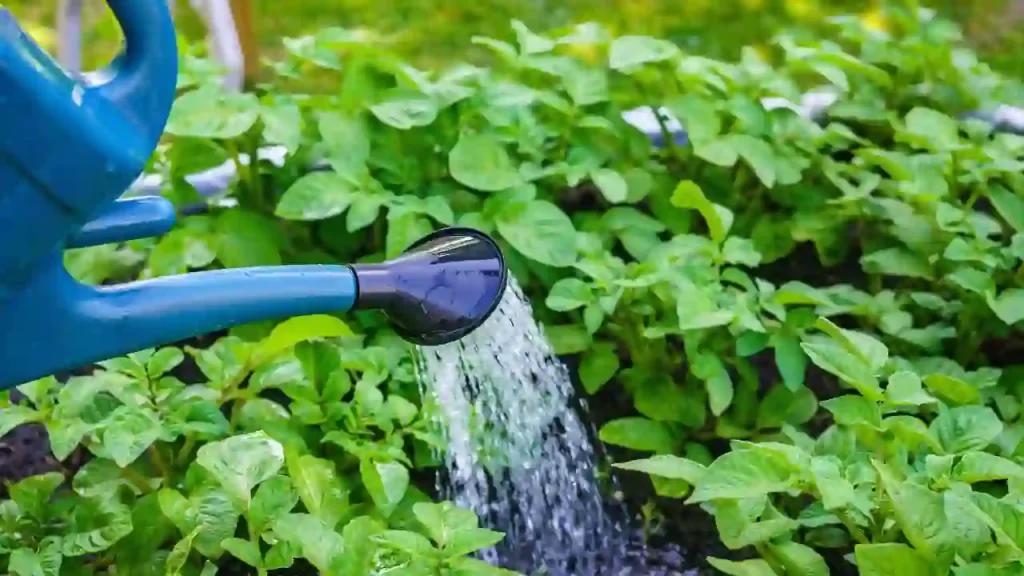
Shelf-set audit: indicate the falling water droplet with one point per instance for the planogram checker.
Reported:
(520, 456)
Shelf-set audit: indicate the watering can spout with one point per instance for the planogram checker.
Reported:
(442, 288)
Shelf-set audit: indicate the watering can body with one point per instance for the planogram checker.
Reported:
(71, 145)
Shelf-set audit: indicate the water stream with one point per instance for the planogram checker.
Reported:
(520, 456)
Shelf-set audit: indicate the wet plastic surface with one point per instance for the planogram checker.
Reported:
(441, 289)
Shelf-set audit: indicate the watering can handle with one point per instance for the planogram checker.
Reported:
(143, 79)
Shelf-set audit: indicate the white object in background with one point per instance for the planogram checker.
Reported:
(69, 35)
(225, 47)
(222, 34)
(1010, 116)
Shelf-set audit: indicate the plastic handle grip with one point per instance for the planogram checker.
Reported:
(142, 81)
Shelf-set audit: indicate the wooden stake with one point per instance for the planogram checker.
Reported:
(242, 12)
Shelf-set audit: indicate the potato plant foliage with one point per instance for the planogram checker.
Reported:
(808, 327)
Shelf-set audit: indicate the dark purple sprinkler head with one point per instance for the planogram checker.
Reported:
(440, 289)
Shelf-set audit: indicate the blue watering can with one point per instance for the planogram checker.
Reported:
(70, 146)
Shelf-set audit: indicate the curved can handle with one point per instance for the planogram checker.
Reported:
(142, 80)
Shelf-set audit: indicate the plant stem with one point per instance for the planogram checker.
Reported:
(229, 393)
(158, 460)
(670, 143)
(136, 479)
(854, 530)
(186, 451)
(975, 194)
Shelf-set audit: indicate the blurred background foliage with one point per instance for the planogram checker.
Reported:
(431, 32)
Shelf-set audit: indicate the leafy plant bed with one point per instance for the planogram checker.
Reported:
(803, 334)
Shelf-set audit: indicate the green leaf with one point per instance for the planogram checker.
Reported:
(240, 463)
(213, 113)
(163, 361)
(25, 562)
(837, 360)
(585, 85)
(667, 466)
(529, 42)
(150, 527)
(836, 492)
(718, 218)
(611, 184)
(364, 211)
(1009, 305)
(316, 196)
(287, 334)
(567, 338)
(897, 262)
(569, 294)
(273, 499)
(540, 231)
(128, 432)
(243, 238)
(911, 432)
(709, 368)
(386, 482)
(469, 541)
(33, 493)
(740, 251)
(784, 406)
(282, 125)
(1009, 205)
(44, 561)
(403, 231)
(890, 560)
(933, 129)
(756, 567)
(347, 140)
(660, 398)
(791, 360)
(966, 428)
(984, 467)
(598, 366)
(797, 558)
(413, 544)
(628, 53)
(443, 520)
(952, 389)
(178, 557)
(718, 151)
(743, 474)
(1005, 520)
(244, 550)
(698, 115)
(16, 415)
(318, 485)
(318, 543)
(638, 434)
(905, 389)
(406, 109)
(403, 411)
(480, 162)
(759, 155)
(360, 550)
(920, 513)
(851, 410)
(96, 525)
